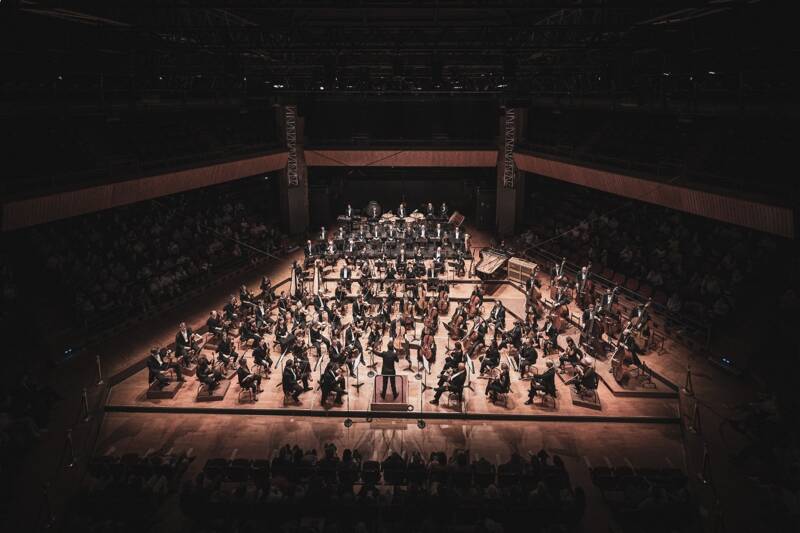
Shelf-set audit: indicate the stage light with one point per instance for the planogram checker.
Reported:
(712, 72)
(502, 85)
(321, 87)
(666, 74)
(277, 86)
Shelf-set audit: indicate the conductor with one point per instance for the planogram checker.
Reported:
(388, 371)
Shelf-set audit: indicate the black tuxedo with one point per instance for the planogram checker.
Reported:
(455, 384)
(331, 382)
(225, 352)
(500, 385)
(247, 380)
(544, 382)
(156, 368)
(387, 369)
(290, 384)
(184, 344)
(261, 356)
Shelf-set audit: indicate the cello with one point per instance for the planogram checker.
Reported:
(427, 347)
(431, 321)
(474, 304)
(443, 303)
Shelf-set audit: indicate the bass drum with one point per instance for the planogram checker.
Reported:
(373, 209)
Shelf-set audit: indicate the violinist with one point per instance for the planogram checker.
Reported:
(247, 379)
(231, 309)
(317, 338)
(438, 260)
(346, 277)
(513, 337)
(352, 338)
(528, 357)
(157, 367)
(499, 385)
(261, 356)
(455, 384)
(548, 336)
(283, 303)
(454, 358)
(491, 358)
(291, 386)
(263, 321)
(207, 375)
(332, 380)
(359, 309)
(249, 331)
(225, 352)
(544, 382)
(340, 293)
(186, 344)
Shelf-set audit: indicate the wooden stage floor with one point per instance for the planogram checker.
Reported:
(130, 394)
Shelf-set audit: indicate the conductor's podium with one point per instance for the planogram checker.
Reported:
(390, 403)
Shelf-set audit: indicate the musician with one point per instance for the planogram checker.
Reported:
(455, 358)
(607, 302)
(466, 243)
(207, 375)
(352, 337)
(423, 230)
(401, 210)
(351, 246)
(443, 211)
(247, 379)
(460, 312)
(390, 358)
(499, 385)
(513, 337)
(283, 303)
(439, 233)
(319, 302)
(261, 356)
(185, 343)
(349, 211)
(359, 309)
(479, 327)
(267, 292)
(497, 315)
(291, 387)
(346, 276)
(225, 352)
(457, 234)
(318, 339)
(549, 334)
(335, 351)
(262, 315)
(157, 367)
(528, 357)
(455, 384)
(627, 340)
(430, 212)
(430, 273)
(557, 273)
(491, 359)
(544, 382)
(301, 363)
(332, 381)
(641, 317)
(230, 309)
(588, 319)
(340, 293)
(308, 252)
(571, 355)
(322, 234)
(585, 379)
(438, 260)
(245, 296)
(461, 268)
(248, 331)
(332, 249)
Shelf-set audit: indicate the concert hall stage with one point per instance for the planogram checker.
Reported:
(657, 402)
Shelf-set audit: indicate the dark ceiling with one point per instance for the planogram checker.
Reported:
(625, 50)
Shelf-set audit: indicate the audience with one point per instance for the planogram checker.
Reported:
(124, 262)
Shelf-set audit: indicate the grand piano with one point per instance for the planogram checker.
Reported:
(491, 267)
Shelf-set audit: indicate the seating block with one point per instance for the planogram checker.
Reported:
(167, 392)
(218, 394)
(588, 399)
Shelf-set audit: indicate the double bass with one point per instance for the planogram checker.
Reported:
(431, 320)
(474, 306)
(456, 325)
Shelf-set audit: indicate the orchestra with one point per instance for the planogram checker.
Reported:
(395, 277)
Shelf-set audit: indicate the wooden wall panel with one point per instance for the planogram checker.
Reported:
(759, 216)
(28, 212)
(401, 158)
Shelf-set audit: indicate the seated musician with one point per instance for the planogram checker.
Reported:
(627, 340)
(491, 358)
(283, 303)
(225, 352)
(391, 271)
(322, 234)
(247, 379)
(308, 253)
(513, 337)
(319, 302)
(431, 277)
(301, 363)
(249, 331)
(331, 251)
(423, 229)
(352, 337)
(346, 276)
(419, 259)
(317, 338)
(443, 211)
(245, 296)
(291, 386)
(499, 385)
(359, 309)
(283, 337)
(641, 318)
(548, 336)
(438, 260)
(438, 234)
(545, 382)
(214, 323)
(207, 375)
(267, 292)
(461, 314)
(455, 384)
(263, 321)
(230, 310)
(351, 248)
(401, 258)
(340, 293)
(585, 379)
(571, 355)
(349, 211)
(332, 381)
(460, 267)
(528, 357)
(401, 210)
(185, 344)
(261, 356)
(430, 212)
(335, 351)
(454, 358)
(157, 368)
(497, 315)
(480, 327)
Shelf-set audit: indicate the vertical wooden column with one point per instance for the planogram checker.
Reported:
(510, 180)
(294, 177)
